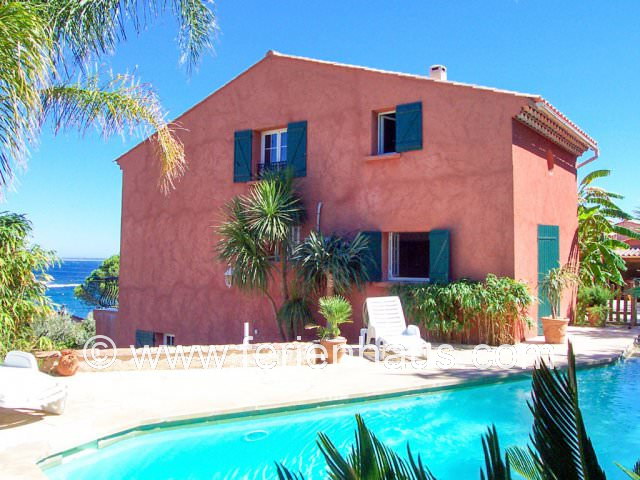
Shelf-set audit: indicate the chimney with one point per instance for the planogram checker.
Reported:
(438, 72)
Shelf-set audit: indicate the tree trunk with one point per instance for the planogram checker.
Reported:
(284, 251)
(274, 307)
(331, 289)
(284, 269)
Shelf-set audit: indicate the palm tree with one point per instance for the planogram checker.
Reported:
(332, 262)
(44, 44)
(600, 264)
(561, 447)
(256, 236)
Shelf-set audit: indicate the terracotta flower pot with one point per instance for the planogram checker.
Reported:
(68, 363)
(334, 350)
(596, 317)
(555, 329)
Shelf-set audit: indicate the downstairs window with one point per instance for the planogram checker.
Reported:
(409, 256)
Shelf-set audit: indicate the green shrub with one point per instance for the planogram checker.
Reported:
(22, 283)
(294, 315)
(590, 297)
(594, 296)
(63, 331)
(490, 310)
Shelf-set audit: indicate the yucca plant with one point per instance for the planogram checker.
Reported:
(256, 238)
(561, 448)
(46, 52)
(555, 283)
(331, 263)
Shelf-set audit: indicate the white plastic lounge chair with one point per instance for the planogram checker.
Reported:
(388, 329)
(22, 385)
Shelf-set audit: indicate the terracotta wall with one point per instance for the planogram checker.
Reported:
(107, 322)
(545, 193)
(468, 178)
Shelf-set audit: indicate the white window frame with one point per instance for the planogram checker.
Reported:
(263, 135)
(393, 262)
(294, 235)
(380, 132)
(166, 337)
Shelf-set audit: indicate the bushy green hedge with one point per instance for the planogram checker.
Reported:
(63, 331)
(489, 312)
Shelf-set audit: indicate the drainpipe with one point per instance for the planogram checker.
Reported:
(318, 210)
(246, 339)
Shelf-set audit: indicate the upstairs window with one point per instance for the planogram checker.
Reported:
(409, 256)
(386, 132)
(168, 339)
(273, 150)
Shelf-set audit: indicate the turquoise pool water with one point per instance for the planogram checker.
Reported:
(444, 427)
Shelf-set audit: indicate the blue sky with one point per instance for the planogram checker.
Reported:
(583, 56)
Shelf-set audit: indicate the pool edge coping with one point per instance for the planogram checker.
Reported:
(154, 424)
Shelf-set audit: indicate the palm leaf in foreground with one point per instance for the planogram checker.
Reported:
(561, 449)
(561, 446)
(632, 474)
(496, 468)
(368, 459)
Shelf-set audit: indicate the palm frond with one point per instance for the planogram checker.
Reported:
(370, 459)
(44, 41)
(122, 104)
(558, 425)
(632, 474)
(526, 463)
(25, 56)
(285, 474)
(239, 248)
(273, 207)
(347, 261)
(590, 177)
(627, 232)
(496, 467)
(92, 29)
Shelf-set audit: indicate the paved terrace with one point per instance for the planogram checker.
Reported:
(104, 403)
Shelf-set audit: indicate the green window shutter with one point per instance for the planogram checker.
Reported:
(375, 250)
(439, 256)
(548, 258)
(409, 127)
(242, 155)
(144, 337)
(297, 148)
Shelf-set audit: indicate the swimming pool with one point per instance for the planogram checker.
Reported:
(444, 427)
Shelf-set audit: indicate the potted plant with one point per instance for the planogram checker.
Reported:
(594, 302)
(553, 285)
(336, 310)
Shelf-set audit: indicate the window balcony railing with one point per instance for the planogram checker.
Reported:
(105, 290)
(270, 167)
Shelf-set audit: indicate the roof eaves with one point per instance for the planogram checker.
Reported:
(402, 74)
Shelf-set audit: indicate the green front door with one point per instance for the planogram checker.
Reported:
(548, 258)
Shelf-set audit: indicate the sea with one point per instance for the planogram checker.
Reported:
(70, 273)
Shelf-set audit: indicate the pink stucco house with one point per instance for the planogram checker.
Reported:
(449, 180)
